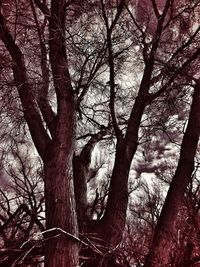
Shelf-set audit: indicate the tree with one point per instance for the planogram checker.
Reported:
(127, 140)
(56, 147)
(71, 85)
(165, 230)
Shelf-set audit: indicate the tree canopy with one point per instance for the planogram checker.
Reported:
(99, 133)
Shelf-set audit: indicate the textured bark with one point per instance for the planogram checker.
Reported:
(60, 207)
(56, 150)
(59, 189)
(165, 231)
(115, 215)
(114, 220)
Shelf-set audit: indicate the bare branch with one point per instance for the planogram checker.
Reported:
(31, 114)
(180, 70)
(155, 9)
(111, 82)
(43, 102)
(43, 8)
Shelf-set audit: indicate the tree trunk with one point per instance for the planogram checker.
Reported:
(165, 231)
(55, 146)
(80, 190)
(114, 220)
(115, 215)
(81, 171)
(62, 250)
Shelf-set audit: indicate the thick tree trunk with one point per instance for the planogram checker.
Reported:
(60, 213)
(56, 150)
(61, 250)
(115, 215)
(165, 231)
(114, 220)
